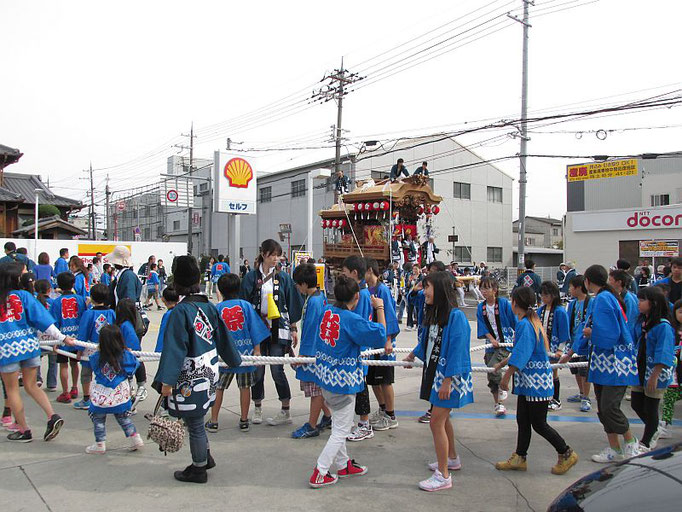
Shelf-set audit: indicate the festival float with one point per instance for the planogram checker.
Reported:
(368, 219)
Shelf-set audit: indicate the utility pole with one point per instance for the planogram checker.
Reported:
(523, 136)
(335, 89)
(190, 186)
(92, 207)
(108, 213)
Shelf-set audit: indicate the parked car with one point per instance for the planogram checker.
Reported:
(650, 482)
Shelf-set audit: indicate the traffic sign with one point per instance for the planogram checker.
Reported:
(172, 195)
(120, 206)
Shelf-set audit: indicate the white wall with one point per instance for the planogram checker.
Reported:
(140, 251)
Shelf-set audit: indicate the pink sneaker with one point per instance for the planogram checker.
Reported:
(453, 464)
(13, 427)
(6, 420)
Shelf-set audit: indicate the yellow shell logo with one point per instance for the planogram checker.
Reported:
(238, 172)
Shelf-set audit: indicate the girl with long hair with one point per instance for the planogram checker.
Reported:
(655, 341)
(674, 391)
(533, 385)
(80, 272)
(555, 322)
(446, 377)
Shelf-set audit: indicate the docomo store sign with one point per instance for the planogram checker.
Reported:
(236, 184)
(664, 217)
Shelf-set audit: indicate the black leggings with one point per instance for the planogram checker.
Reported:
(534, 414)
(362, 406)
(141, 374)
(647, 410)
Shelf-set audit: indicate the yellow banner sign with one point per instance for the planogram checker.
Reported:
(659, 248)
(319, 270)
(93, 249)
(598, 170)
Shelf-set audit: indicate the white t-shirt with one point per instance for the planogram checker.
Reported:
(490, 313)
(267, 288)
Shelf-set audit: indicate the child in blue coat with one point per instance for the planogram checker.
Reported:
(381, 378)
(170, 299)
(446, 378)
(81, 286)
(112, 366)
(555, 322)
(612, 361)
(92, 322)
(67, 310)
(305, 277)
(248, 331)
(341, 336)
(495, 324)
(577, 313)
(533, 384)
(126, 317)
(654, 338)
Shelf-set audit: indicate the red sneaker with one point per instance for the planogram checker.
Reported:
(74, 393)
(64, 398)
(352, 469)
(318, 480)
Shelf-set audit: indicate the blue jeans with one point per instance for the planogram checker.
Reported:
(99, 421)
(276, 370)
(401, 310)
(198, 440)
(52, 369)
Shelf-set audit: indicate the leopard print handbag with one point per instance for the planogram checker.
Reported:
(168, 433)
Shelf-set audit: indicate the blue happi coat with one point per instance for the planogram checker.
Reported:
(246, 329)
(561, 334)
(67, 311)
(507, 319)
(577, 310)
(82, 286)
(613, 360)
(454, 361)
(660, 349)
(162, 331)
(313, 309)
(130, 338)
(91, 324)
(341, 336)
(631, 308)
(110, 391)
(392, 326)
(23, 316)
(534, 375)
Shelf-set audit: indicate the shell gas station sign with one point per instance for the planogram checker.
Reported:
(235, 190)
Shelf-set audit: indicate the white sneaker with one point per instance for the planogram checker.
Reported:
(97, 448)
(607, 456)
(141, 394)
(376, 417)
(655, 438)
(392, 422)
(663, 432)
(257, 416)
(554, 405)
(632, 450)
(282, 418)
(436, 482)
(500, 410)
(136, 442)
(361, 432)
(503, 395)
(453, 464)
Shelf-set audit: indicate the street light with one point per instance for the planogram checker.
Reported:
(313, 175)
(35, 225)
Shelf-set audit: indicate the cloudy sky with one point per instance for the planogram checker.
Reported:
(116, 83)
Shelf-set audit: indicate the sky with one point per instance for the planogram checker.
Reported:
(115, 84)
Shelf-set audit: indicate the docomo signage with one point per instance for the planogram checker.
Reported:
(663, 217)
(236, 188)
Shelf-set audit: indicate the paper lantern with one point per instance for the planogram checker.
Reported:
(335, 223)
(323, 224)
(376, 206)
(384, 205)
(421, 210)
(359, 206)
(368, 207)
(342, 223)
(436, 210)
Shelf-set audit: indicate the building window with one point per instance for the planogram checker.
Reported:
(298, 188)
(660, 200)
(555, 231)
(176, 225)
(203, 187)
(495, 254)
(462, 190)
(265, 194)
(462, 254)
(159, 231)
(530, 241)
(494, 195)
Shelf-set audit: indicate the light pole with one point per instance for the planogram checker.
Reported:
(312, 176)
(35, 225)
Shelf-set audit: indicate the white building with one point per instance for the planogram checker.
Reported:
(477, 200)
(629, 209)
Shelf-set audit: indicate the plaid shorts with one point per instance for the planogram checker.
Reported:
(244, 380)
(310, 389)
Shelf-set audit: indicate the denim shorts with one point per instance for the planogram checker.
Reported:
(17, 365)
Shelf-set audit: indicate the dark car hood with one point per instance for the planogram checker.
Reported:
(650, 482)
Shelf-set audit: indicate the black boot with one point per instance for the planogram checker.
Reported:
(192, 474)
(210, 461)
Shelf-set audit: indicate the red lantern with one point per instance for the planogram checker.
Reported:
(322, 224)
(427, 210)
(384, 205)
(421, 210)
(436, 210)
(342, 223)
(335, 223)
(376, 206)
(359, 207)
(368, 207)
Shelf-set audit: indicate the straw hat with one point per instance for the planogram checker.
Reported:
(120, 256)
